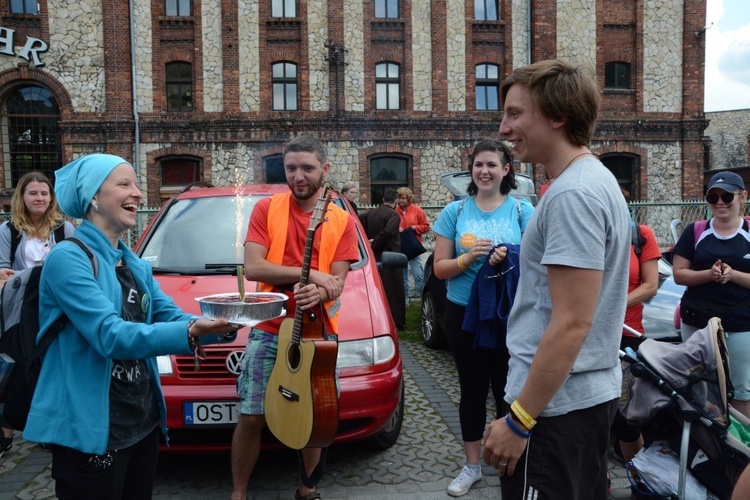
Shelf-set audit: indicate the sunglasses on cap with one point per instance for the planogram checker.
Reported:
(713, 198)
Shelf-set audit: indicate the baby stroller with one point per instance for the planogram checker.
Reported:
(681, 392)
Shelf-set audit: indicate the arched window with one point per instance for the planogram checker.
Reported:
(180, 171)
(617, 75)
(274, 166)
(175, 8)
(387, 86)
(386, 9)
(31, 133)
(388, 172)
(284, 8)
(485, 10)
(487, 87)
(179, 87)
(284, 80)
(625, 169)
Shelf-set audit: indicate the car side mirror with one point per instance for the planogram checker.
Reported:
(393, 260)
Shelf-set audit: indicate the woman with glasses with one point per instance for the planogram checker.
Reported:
(466, 234)
(714, 265)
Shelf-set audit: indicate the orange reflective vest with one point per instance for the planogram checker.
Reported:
(331, 232)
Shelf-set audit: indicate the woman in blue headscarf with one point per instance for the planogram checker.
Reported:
(99, 401)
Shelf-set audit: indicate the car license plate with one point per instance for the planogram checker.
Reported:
(210, 412)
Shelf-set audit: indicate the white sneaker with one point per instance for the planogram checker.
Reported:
(464, 481)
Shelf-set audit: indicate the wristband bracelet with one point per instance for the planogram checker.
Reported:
(460, 262)
(514, 428)
(522, 415)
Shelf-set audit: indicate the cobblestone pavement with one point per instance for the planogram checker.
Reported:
(420, 465)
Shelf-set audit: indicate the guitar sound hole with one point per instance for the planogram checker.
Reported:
(294, 356)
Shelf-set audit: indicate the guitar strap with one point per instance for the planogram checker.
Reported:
(313, 479)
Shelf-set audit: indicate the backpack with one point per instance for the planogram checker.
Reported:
(15, 238)
(19, 326)
(637, 239)
(701, 225)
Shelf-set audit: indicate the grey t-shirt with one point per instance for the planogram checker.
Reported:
(582, 221)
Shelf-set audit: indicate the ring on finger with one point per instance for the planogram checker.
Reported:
(502, 464)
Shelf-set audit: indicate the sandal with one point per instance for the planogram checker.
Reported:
(313, 495)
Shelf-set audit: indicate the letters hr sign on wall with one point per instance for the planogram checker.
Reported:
(31, 50)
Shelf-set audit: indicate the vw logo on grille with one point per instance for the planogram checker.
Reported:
(234, 362)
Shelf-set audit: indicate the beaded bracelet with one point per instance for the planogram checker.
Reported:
(514, 428)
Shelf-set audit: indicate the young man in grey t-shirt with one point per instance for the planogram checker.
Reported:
(565, 327)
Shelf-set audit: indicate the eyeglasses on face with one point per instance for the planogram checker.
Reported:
(713, 198)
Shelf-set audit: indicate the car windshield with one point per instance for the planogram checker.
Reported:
(200, 236)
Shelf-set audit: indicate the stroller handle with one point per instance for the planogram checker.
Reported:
(632, 331)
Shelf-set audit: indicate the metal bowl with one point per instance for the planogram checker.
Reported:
(256, 308)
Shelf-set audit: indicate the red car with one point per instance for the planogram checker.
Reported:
(194, 245)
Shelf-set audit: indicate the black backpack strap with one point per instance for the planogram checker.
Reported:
(15, 240)
(48, 337)
(60, 233)
(58, 325)
(638, 240)
(83, 246)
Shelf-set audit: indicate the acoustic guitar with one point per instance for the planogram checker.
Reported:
(302, 406)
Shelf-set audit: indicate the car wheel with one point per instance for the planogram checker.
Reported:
(391, 431)
(432, 335)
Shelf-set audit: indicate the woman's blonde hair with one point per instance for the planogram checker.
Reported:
(407, 192)
(20, 215)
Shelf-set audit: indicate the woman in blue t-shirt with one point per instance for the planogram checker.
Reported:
(715, 267)
(465, 234)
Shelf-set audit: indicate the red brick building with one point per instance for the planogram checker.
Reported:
(399, 90)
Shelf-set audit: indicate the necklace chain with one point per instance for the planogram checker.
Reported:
(571, 161)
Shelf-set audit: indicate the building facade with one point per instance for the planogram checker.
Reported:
(729, 142)
(398, 90)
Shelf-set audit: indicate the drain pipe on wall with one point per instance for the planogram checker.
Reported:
(528, 31)
(134, 84)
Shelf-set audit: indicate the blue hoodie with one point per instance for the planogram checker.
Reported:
(71, 401)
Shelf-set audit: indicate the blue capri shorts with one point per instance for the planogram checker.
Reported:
(738, 345)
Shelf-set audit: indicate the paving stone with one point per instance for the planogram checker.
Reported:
(420, 465)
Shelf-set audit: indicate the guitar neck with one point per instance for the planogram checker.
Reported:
(304, 279)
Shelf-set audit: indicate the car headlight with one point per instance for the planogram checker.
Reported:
(365, 352)
(164, 363)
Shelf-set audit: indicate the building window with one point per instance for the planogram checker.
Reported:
(617, 75)
(487, 87)
(284, 8)
(485, 10)
(387, 172)
(24, 7)
(180, 172)
(386, 9)
(625, 170)
(274, 166)
(179, 87)
(284, 86)
(178, 8)
(387, 86)
(30, 133)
